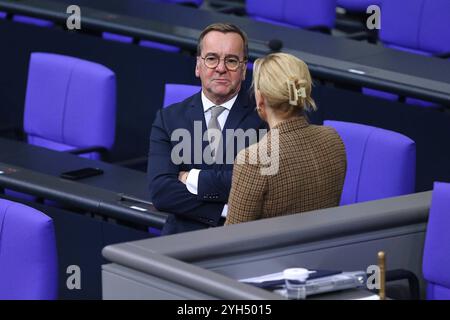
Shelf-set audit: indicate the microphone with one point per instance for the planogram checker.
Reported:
(275, 45)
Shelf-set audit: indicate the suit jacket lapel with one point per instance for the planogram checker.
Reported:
(196, 114)
(238, 112)
(195, 110)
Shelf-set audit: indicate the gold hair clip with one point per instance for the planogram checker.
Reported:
(294, 93)
(302, 92)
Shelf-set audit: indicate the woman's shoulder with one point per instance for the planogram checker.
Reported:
(248, 155)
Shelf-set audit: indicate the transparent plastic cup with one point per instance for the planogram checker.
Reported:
(295, 280)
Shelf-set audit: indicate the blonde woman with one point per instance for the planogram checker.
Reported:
(310, 160)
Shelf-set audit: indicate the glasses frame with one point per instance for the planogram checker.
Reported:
(224, 62)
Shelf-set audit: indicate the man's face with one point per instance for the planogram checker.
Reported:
(220, 84)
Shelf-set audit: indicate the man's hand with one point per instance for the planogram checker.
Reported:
(182, 176)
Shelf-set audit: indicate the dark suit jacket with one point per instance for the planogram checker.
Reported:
(191, 211)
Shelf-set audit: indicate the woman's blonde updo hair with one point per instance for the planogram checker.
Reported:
(285, 82)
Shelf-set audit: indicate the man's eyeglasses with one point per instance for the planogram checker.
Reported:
(231, 63)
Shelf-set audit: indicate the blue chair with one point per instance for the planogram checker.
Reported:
(174, 93)
(193, 3)
(380, 163)
(31, 20)
(28, 256)
(318, 14)
(144, 43)
(159, 46)
(117, 37)
(436, 255)
(2, 15)
(357, 5)
(70, 105)
(415, 26)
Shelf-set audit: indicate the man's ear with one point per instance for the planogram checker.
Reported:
(197, 70)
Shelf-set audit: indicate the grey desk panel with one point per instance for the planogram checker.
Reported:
(36, 171)
(123, 283)
(389, 69)
(293, 229)
(432, 68)
(344, 238)
(50, 162)
(380, 76)
(404, 251)
(180, 281)
(81, 196)
(197, 19)
(359, 250)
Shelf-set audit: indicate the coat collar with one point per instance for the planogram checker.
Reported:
(292, 124)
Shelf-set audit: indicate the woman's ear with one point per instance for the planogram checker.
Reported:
(260, 105)
(262, 102)
(259, 99)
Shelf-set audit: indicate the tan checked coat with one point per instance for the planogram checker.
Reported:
(309, 176)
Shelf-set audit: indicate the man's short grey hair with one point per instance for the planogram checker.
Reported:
(224, 28)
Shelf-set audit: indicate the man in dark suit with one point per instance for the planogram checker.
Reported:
(184, 181)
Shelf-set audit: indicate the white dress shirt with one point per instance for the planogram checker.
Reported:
(192, 178)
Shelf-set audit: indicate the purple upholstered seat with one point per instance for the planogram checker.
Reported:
(2, 15)
(357, 5)
(32, 20)
(380, 163)
(117, 37)
(294, 13)
(174, 93)
(436, 255)
(195, 3)
(159, 46)
(70, 103)
(28, 257)
(143, 43)
(415, 26)
(421, 25)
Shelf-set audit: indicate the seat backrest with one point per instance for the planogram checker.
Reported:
(357, 5)
(174, 93)
(380, 163)
(299, 13)
(28, 257)
(436, 255)
(196, 3)
(32, 20)
(418, 25)
(70, 103)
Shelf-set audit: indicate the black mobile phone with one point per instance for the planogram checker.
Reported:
(81, 173)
